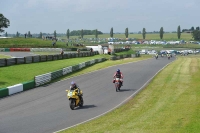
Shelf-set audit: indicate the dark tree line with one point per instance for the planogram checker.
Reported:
(84, 32)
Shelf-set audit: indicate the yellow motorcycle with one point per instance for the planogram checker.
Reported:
(75, 99)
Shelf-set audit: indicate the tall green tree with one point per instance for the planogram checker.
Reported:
(81, 33)
(196, 35)
(55, 34)
(197, 28)
(96, 33)
(126, 32)
(6, 34)
(161, 33)
(17, 34)
(144, 33)
(4, 23)
(68, 32)
(179, 32)
(111, 32)
(29, 34)
(192, 28)
(40, 35)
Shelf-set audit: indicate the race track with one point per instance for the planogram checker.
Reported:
(46, 109)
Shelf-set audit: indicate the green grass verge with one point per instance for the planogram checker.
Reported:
(25, 72)
(169, 104)
(4, 56)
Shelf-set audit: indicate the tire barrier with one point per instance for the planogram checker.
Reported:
(28, 59)
(2, 62)
(2, 49)
(45, 78)
(11, 61)
(43, 58)
(20, 60)
(42, 79)
(20, 49)
(121, 57)
(36, 59)
(67, 70)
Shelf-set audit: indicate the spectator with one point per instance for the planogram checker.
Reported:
(62, 52)
(78, 50)
(53, 43)
(91, 50)
(109, 51)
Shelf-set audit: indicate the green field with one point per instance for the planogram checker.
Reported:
(35, 42)
(166, 36)
(169, 104)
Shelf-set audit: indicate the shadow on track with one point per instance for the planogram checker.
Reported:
(87, 107)
(122, 90)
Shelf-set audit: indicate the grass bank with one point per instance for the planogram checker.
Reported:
(169, 104)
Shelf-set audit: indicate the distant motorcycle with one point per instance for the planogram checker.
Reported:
(156, 56)
(74, 99)
(118, 84)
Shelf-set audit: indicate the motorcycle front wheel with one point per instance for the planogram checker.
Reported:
(72, 104)
(117, 87)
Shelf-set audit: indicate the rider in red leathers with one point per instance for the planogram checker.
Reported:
(118, 74)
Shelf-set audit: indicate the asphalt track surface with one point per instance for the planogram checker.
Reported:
(46, 109)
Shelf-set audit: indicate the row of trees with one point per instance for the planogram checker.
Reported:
(82, 32)
(195, 33)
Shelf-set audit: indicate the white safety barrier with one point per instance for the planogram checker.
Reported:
(67, 70)
(100, 60)
(81, 65)
(42, 79)
(15, 89)
(92, 62)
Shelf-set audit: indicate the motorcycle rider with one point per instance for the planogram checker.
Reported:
(118, 74)
(75, 86)
(168, 55)
(156, 55)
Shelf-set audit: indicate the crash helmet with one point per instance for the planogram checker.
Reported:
(73, 83)
(118, 70)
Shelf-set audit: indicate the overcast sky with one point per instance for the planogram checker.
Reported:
(48, 15)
